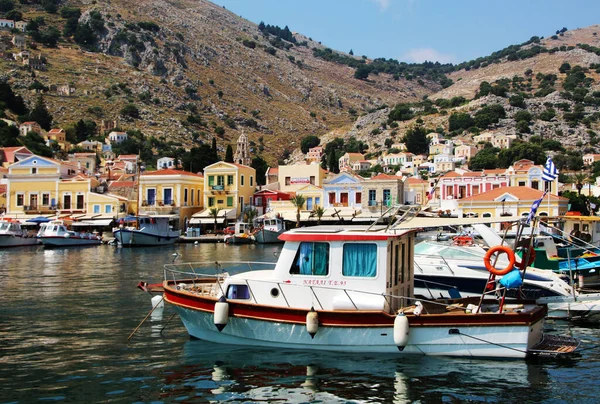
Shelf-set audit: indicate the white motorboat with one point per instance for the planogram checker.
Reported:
(269, 229)
(56, 234)
(241, 234)
(146, 230)
(349, 289)
(12, 235)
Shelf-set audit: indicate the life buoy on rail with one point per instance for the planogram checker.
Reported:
(521, 264)
(487, 260)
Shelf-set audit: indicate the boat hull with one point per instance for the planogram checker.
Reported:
(483, 341)
(136, 238)
(238, 240)
(9, 240)
(267, 236)
(53, 242)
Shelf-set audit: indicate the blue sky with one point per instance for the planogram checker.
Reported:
(417, 30)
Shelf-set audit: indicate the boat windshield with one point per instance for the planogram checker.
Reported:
(4, 225)
(449, 251)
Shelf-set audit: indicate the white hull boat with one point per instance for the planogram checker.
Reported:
(350, 290)
(12, 235)
(151, 230)
(269, 230)
(55, 234)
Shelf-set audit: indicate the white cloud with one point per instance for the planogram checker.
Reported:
(383, 4)
(422, 54)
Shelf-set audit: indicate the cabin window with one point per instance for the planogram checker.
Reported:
(360, 259)
(311, 259)
(238, 292)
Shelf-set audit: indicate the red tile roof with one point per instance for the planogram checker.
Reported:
(415, 180)
(385, 177)
(522, 193)
(124, 184)
(170, 171)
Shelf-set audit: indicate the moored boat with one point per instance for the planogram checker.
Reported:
(12, 235)
(241, 235)
(268, 230)
(56, 234)
(146, 230)
(351, 289)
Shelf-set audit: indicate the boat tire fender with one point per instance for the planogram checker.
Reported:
(487, 260)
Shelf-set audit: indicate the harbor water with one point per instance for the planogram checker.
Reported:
(66, 314)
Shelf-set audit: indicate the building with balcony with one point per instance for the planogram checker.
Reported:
(263, 199)
(524, 173)
(171, 192)
(229, 186)
(381, 192)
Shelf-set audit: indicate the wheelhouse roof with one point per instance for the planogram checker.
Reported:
(341, 233)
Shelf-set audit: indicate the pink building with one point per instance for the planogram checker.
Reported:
(457, 186)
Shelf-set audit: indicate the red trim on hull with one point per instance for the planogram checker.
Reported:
(349, 318)
(335, 237)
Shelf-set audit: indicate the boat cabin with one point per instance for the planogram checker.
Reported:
(10, 227)
(344, 268)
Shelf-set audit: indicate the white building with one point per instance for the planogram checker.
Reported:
(117, 137)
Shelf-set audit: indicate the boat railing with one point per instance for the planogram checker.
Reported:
(435, 257)
(180, 271)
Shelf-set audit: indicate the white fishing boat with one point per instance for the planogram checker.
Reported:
(241, 235)
(56, 234)
(146, 230)
(269, 229)
(350, 289)
(12, 235)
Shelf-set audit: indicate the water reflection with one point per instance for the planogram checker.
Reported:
(67, 313)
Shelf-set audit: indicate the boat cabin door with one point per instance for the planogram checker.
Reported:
(400, 272)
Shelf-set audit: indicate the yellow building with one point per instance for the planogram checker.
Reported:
(35, 187)
(171, 192)
(294, 177)
(511, 202)
(415, 191)
(228, 186)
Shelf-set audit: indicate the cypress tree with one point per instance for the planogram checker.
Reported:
(229, 154)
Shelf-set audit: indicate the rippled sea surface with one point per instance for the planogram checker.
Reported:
(66, 314)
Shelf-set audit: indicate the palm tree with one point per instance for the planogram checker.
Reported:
(250, 215)
(298, 201)
(318, 211)
(214, 213)
(579, 179)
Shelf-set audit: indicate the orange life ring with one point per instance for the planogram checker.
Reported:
(521, 265)
(487, 260)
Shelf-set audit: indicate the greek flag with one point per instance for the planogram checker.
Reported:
(534, 207)
(550, 171)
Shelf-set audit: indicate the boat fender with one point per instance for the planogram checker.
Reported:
(158, 302)
(401, 331)
(419, 309)
(312, 322)
(521, 265)
(67, 235)
(221, 313)
(487, 259)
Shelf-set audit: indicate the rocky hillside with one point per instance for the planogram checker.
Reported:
(194, 70)
(548, 89)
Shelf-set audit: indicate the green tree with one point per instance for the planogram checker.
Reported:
(298, 201)
(487, 158)
(261, 167)
(416, 140)
(198, 158)
(214, 213)
(517, 101)
(488, 115)
(9, 135)
(229, 154)
(579, 179)
(333, 163)
(521, 150)
(130, 110)
(460, 120)
(401, 112)
(34, 142)
(308, 142)
(318, 211)
(6, 6)
(40, 114)
(362, 72)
